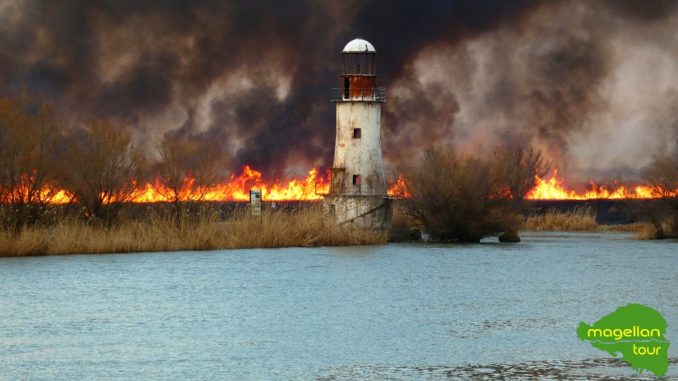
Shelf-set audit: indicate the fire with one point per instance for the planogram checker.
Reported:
(60, 197)
(315, 185)
(399, 189)
(23, 193)
(238, 186)
(553, 189)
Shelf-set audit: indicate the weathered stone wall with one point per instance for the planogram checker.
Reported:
(371, 212)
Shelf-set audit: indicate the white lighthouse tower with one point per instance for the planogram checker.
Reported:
(357, 193)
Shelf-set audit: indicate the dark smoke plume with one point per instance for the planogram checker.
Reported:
(592, 84)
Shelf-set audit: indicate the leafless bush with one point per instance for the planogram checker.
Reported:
(28, 135)
(662, 174)
(515, 167)
(186, 169)
(456, 198)
(101, 169)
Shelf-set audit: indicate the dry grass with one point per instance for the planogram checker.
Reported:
(667, 228)
(648, 231)
(578, 219)
(582, 219)
(204, 231)
(638, 227)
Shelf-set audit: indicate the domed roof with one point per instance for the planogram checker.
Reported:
(358, 46)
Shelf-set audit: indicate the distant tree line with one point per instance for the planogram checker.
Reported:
(97, 164)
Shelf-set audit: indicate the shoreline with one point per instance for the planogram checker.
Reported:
(204, 230)
(87, 240)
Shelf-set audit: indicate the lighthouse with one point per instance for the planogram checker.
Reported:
(357, 194)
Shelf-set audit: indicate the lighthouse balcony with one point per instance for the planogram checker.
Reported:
(359, 94)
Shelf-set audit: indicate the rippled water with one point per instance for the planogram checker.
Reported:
(400, 311)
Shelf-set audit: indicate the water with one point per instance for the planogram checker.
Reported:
(399, 311)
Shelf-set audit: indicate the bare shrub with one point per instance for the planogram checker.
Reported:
(515, 169)
(401, 219)
(662, 174)
(102, 167)
(28, 136)
(186, 170)
(456, 198)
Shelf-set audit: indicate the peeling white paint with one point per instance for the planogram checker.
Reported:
(360, 156)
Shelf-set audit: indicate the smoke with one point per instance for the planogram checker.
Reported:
(592, 84)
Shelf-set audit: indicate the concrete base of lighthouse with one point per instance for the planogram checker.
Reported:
(369, 212)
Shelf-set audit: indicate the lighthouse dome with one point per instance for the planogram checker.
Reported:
(359, 46)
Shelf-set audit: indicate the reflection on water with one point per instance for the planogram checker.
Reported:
(485, 311)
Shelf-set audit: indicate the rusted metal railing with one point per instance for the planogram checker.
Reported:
(366, 94)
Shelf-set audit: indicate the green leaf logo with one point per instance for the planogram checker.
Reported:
(634, 331)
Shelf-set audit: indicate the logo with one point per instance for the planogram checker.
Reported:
(634, 331)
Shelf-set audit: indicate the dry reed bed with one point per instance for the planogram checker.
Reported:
(203, 231)
(580, 219)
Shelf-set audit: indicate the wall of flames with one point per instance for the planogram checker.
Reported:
(314, 186)
(553, 188)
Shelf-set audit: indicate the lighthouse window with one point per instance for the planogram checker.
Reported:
(347, 92)
(356, 133)
(356, 179)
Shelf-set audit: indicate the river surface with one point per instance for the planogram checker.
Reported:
(399, 311)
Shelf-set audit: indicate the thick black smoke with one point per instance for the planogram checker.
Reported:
(253, 77)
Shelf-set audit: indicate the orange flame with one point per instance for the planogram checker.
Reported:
(238, 187)
(399, 189)
(24, 193)
(59, 197)
(553, 189)
(314, 186)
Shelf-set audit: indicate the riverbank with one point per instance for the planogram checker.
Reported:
(200, 230)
